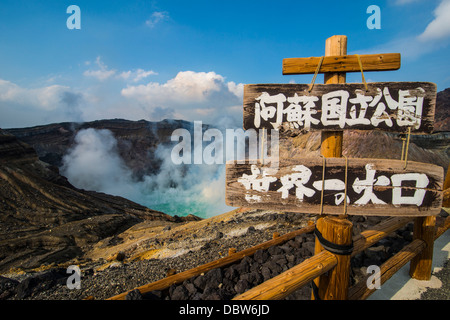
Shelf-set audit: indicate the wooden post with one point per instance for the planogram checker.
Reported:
(424, 229)
(337, 230)
(335, 285)
(332, 140)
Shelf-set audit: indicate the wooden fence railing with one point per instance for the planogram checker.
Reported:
(291, 280)
(232, 258)
(300, 275)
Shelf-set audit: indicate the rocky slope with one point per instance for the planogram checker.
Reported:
(44, 219)
(149, 251)
(442, 117)
(136, 140)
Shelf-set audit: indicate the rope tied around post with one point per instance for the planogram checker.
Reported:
(345, 185)
(333, 247)
(405, 150)
(311, 85)
(323, 184)
(362, 72)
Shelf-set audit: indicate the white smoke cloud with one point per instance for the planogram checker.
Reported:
(95, 164)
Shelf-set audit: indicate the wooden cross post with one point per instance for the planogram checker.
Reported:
(338, 230)
(296, 185)
(331, 145)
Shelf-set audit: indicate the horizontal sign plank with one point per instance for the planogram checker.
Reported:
(389, 106)
(344, 63)
(374, 187)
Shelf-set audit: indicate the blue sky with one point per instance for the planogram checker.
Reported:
(189, 59)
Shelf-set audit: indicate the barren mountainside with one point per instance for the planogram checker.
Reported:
(44, 219)
(136, 140)
(442, 117)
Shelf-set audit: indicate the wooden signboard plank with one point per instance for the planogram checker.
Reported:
(342, 63)
(388, 106)
(374, 187)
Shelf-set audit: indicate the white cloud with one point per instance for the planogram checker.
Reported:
(142, 74)
(194, 95)
(439, 28)
(99, 74)
(187, 86)
(137, 75)
(435, 36)
(125, 75)
(237, 89)
(202, 96)
(45, 98)
(21, 106)
(102, 73)
(156, 17)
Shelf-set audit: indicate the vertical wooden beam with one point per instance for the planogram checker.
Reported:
(334, 286)
(424, 229)
(335, 46)
(332, 140)
(337, 231)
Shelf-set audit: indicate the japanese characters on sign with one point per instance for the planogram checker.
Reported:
(391, 106)
(373, 186)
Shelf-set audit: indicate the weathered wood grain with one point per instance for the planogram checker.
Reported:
(361, 291)
(388, 106)
(342, 63)
(421, 265)
(369, 181)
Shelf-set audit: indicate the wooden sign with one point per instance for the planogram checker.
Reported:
(389, 106)
(343, 63)
(374, 187)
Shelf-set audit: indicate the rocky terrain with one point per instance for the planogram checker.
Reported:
(44, 219)
(137, 141)
(120, 264)
(442, 117)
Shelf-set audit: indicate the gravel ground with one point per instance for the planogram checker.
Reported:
(120, 277)
(442, 293)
